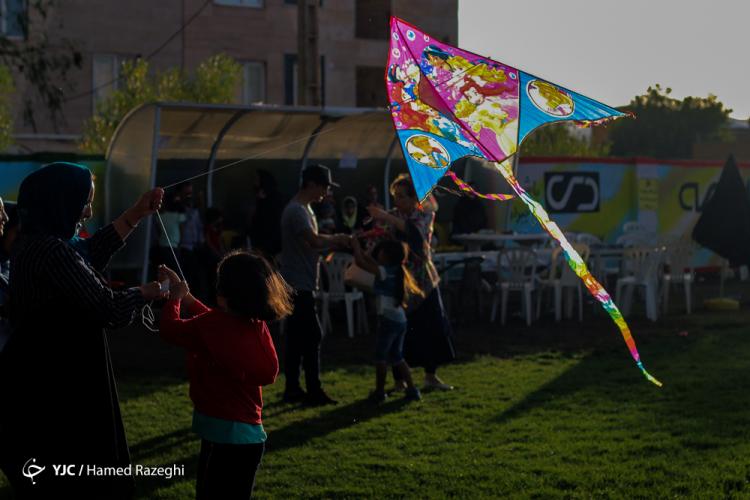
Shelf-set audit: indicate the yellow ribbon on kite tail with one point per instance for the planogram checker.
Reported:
(466, 188)
(576, 263)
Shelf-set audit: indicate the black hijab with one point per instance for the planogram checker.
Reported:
(51, 200)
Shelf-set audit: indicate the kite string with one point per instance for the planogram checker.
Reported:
(577, 264)
(147, 313)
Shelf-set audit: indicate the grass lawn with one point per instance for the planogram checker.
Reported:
(548, 412)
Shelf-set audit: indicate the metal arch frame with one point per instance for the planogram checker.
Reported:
(152, 185)
(215, 149)
(387, 173)
(108, 156)
(327, 115)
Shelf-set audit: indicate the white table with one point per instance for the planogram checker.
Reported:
(443, 259)
(489, 260)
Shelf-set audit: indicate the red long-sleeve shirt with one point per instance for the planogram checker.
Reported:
(229, 358)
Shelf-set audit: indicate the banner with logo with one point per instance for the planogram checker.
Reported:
(594, 197)
(598, 196)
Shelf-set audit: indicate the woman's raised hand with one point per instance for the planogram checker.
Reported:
(148, 203)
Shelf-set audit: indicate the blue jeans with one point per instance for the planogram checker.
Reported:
(389, 341)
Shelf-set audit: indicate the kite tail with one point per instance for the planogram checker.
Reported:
(576, 263)
(463, 186)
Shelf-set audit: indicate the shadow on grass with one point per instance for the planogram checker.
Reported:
(291, 436)
(340, 417)
(703, 401)
(159, 444)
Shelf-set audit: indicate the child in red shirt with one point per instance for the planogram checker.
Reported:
(230, 355)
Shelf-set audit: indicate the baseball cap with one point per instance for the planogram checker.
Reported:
(319, 174)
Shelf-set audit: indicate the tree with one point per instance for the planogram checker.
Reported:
(6, 117)
(37, 61)
(666, 127)
(213, 82)
(556, 140)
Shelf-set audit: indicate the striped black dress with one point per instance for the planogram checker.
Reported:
(58, 399)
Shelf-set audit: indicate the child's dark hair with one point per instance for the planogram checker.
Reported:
(395, 253)
(252, 288)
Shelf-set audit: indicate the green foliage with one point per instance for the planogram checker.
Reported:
(41, 62)
(556, 140)
(666, 127)
(213, 82)
(6, 117)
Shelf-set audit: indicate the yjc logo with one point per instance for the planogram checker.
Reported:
(571, 191)
(31, 470)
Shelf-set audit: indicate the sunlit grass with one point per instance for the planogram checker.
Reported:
(550, 412)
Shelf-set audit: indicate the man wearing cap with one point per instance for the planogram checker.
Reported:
(300, 252)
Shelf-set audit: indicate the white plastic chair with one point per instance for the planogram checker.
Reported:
(597, 266)
(643, 265)
(637, 239)
(519, 265)
(562, 279)
(633, 227)
(335, 268)
(679, 256)
(588, 239)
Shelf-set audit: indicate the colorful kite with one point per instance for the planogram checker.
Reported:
(448, 103)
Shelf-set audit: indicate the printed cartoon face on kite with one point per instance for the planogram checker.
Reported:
(550, 99)
(435, 59)
(428, 151)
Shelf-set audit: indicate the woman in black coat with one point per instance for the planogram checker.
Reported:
(58, 398)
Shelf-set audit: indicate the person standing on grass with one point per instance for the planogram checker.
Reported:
(394, 285)
(428, 336)
(230, 356)
(300, 254)
(57, 386)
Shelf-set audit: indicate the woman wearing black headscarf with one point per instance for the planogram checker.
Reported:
(57, 388)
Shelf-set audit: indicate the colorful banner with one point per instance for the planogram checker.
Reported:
(598, 196)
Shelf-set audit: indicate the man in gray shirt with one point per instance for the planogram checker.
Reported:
(300, 254)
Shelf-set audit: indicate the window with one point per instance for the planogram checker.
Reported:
(258, 4)
(13, 18)
(253, 82)
(290, 80)
(105, 76)
(372, 19)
